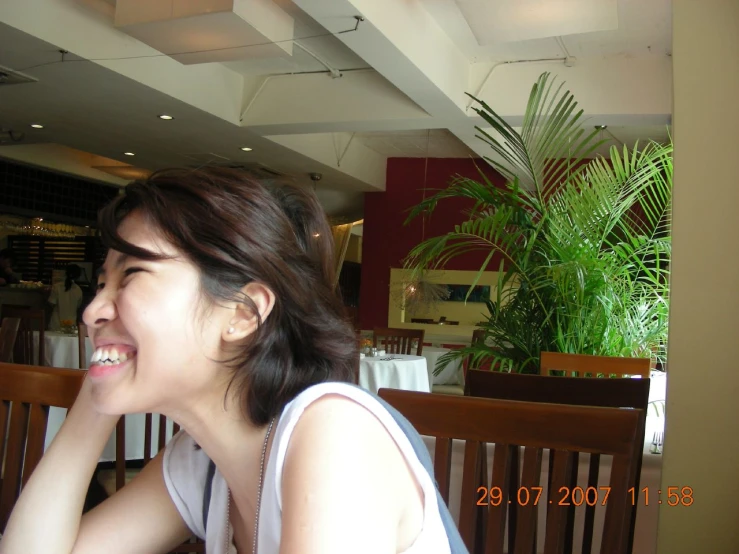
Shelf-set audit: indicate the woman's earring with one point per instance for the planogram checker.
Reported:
(231, 330)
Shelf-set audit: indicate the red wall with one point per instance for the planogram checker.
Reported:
(386, 241)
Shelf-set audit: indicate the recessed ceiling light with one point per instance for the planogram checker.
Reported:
(37, 126)
(246, 149)
(129, 153)
(165, 116)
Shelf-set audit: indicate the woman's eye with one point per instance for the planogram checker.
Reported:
(130, 271)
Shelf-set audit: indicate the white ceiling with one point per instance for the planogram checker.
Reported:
(644, 27)
(423, 53)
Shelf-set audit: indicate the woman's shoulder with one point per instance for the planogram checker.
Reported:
(331, 396)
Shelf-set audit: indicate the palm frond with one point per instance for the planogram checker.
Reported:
(585, 244)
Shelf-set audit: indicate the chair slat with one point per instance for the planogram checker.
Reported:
(570, 525)
(442, 466)
(527, 513)
(38, 418)
(496, 521)
(470, 482)
(4, 414)
(147, 437)
(587, 536)
(162, 432)
(13, 463)
(515, 480)
(82, 345)
(557, 514)
(618, 508)
(120, 453)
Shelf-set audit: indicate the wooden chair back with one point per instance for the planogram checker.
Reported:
(82, 344)
(583, 365)
(32, 321)
(8, 334)
(158, 442)
(576, 391)
(399, 341)
(26, 393)
(536, 426)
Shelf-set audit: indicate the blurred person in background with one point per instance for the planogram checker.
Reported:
(7, 273)
(66, 298)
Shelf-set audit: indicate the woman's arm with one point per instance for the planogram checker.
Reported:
(48, 515)
(141, 517)
(346, 486)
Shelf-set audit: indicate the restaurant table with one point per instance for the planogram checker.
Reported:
(394, 371)
(450, 375)
(62, 350)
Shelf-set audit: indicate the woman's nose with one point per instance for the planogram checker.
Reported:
(100, 310)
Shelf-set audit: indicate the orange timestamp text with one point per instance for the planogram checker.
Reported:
(590, 496)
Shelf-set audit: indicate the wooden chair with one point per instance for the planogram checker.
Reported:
(399, 341)
(82, 344)
(477, 336)
(27, 392)
(562, 429)
(8, 334)
(583, 365)
(576, 391)
(32, 321)
(115, 479)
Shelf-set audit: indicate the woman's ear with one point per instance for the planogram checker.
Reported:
(243, 321)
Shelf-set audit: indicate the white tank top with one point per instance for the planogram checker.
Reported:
(185, 473)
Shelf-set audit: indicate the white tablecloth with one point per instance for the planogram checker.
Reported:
(401, 372)
(452, 373)
(63, 351)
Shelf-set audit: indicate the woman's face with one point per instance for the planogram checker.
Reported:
(156, 338)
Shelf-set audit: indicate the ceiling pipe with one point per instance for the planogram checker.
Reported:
(568, 61)
(335, 73)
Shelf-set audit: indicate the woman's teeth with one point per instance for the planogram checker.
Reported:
(110, 356)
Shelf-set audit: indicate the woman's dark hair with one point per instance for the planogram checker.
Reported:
(73, 272)
(236, 231)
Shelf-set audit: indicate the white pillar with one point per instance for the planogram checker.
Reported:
(701, 439)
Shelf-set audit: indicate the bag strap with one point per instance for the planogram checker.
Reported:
(207, 492)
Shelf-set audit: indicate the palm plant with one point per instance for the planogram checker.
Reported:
(584, 243)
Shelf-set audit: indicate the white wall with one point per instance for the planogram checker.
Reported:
(701, 440)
